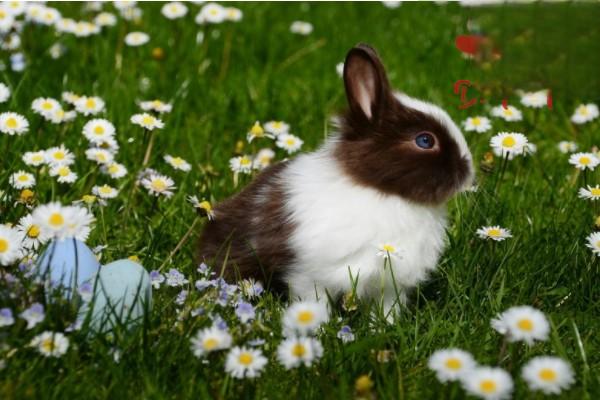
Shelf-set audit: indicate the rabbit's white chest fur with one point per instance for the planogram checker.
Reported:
(338, 226)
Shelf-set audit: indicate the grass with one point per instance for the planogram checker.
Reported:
(258, 70)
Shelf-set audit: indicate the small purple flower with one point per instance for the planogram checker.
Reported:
(6, 317)
(33, 315)
(202, 284)
(245, 311)
(345, 334)
(223, 298)
(251, 288)
(176, 278)
(203, 269)
(197, 311)
(256, 342)
(220, 323)
(86, 291)
(181, 297)
(156, 278)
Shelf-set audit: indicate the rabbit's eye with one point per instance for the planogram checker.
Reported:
(425, 141)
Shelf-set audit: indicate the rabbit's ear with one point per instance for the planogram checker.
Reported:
(367, 86)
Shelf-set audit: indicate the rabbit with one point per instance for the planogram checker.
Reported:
(312, 225)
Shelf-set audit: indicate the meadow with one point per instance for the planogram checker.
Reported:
(220, 78)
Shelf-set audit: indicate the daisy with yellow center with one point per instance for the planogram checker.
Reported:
(304, 317)
(156, 106)
(451, 364)
(32, 233)
(567, 146)
(10, 245)
(174, 10)
(277, 127)
(211, 13)
(585, 113)
(101, 156)
(296, 351)
(537, 99)
(50, 344)
(509, 144)
(257, 132)
(63, 173)
(593, 242)
(60, 155)
(522, 323)
(590, 193)
(243, 362)
(550, 375)
(98, 130)
(209, 340)
(509, 113)
(203, 206)
(290, 143)
(147, 121)
(477, 124)
(89, 105)
(34, 158)
(495, 233)
(178, 163)
(135, 39)
(388, 251)
(584, 161)
(488, 383)
(13, 124)
(22, 180)
(115, 170)
(233, 14)
(158, 185)
(241, 164)
(105, 192)
(301, 28)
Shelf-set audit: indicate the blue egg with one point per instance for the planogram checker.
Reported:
(122, 294)
(68, 263)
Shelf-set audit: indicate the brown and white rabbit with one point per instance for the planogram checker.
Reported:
(313, 224)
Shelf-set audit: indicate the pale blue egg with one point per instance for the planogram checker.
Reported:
(123, 293)
(68, 263)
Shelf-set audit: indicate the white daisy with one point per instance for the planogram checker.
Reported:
(59, 116)
(392, 4)
(593, 242)
(296, 351)
(157, 185)
(257, 132)
(101, 156)
(59, 156)
(10, 245)
(241, 164)
(135, 39)
(233, 14)
(32, 234)
(105, 191)
(494, 233)
(301, 28)
(51, 218)
(550, 375)
(178, 163)
(12, 123)
(263, 158)
(242, 362)
(79, 224)
(34, 158)
(509, 113)
(97, 130)
(115, 170)
(590, 193)
(289, 142)
(7, 20)
(174, 10)
(105, 19)
(4, 93)
(304, 317)
(522, 323)
(16, 8)
(508, 144)
(156, 105)
(567, 147)
(488, 383)
(211, 13)
(451, 364)
(50, 344)
(535, 99)
(45, 106)
(70, 97)
(583, 161)
(477, 124)
(63, 173)
(89, 105)
(210, 339)
(388, 250)
(277, 127)
(22, 180)
(203, 206)
(147, 121)
(585, 113)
